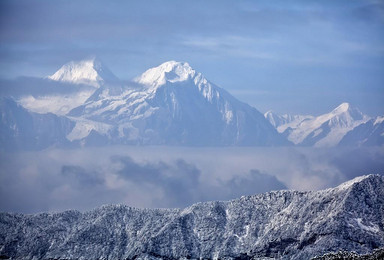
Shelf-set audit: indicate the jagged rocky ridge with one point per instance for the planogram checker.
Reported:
(279, 224)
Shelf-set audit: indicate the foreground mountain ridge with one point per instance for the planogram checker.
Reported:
(278, 225)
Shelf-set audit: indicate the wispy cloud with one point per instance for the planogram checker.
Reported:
(231, 45)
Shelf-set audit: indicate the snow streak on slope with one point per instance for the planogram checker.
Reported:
(277, 225)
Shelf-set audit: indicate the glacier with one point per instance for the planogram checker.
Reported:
(275, 225)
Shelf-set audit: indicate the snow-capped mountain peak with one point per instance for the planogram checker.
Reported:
(342, 108)
(347, 109)
(89, 71)
(170, 71)
(343, 115)
(379, 120)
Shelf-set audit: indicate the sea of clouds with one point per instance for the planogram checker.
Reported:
(82, 179)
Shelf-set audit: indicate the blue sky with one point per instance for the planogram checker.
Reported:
(288, 56)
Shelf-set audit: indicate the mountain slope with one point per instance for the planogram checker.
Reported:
(370, 133)
(22, 129)
(280, 224)
(175, 105)
(322, 131)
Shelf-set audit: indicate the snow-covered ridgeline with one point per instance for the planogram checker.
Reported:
(278, 225)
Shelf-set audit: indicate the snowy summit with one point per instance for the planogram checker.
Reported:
(170, 71)
(89, 72)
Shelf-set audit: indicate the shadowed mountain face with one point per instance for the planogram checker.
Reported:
(281, 224)
(367, 134)
(25, 130)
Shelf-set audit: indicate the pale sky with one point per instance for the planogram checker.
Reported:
(289, 56)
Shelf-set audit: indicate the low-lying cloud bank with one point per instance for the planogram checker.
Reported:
(55, 180)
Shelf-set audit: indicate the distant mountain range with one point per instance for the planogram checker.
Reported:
(275, 225)
(345, 125)
(171, 104)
